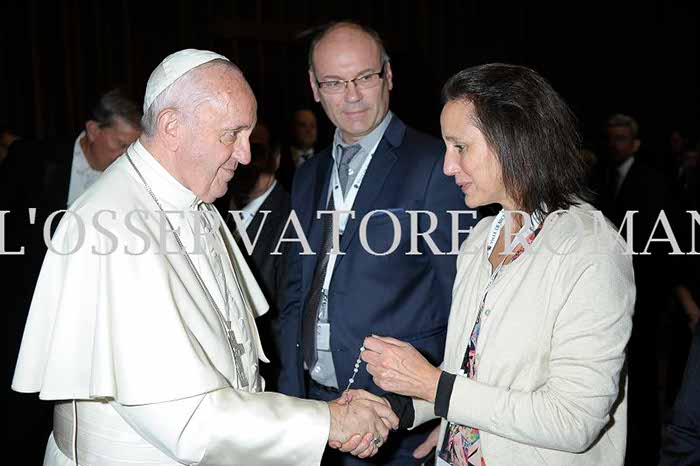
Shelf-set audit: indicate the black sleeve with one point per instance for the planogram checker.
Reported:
(402, 406)
(444, 393)
(681, 445)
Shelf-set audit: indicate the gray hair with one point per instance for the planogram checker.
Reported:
(384, 56)
(626, 122)
(112, 105)
(179, 95)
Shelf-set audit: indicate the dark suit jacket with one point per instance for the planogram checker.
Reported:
(34, 175)
(269, 270)
(681, 446)
(643, 190)
(399, 295)
(287, 168)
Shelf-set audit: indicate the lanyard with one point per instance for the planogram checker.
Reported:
(345, 203)
(496, 228)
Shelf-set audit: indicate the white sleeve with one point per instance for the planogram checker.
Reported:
(228, 426)
(423, 411)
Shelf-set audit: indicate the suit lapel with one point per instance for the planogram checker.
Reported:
(271, 204)
(379, 169)
(377, 172)
(312, 226)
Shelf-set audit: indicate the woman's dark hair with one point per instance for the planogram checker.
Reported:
(531, 130)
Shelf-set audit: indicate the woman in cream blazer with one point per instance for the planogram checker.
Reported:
(543, 299)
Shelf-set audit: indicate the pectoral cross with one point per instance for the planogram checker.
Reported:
(238, 352)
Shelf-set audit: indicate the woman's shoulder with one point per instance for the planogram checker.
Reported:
(582, 230)
(475, 240)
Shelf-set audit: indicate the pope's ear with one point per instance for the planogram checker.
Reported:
(170, 128)
(92, 128)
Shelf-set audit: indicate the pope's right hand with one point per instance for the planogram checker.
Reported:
(355, 424)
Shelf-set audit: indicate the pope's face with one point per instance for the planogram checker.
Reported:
(217, 136)
(343, 54)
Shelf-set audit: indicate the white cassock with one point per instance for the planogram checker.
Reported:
(134, 338)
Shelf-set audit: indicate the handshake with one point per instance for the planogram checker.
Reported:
(360, 423)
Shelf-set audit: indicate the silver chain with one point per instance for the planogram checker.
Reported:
(194, 269)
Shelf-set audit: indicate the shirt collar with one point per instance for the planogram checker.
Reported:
(297, 151)
(253, 206)
(80, 162)
(165, 186)
(625, 166)
(370, 140)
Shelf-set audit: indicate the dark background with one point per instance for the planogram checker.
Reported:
(632, 57)
(636, 57)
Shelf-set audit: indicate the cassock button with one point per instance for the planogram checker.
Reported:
(487, 312)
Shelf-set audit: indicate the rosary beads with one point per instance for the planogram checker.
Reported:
(354, 371)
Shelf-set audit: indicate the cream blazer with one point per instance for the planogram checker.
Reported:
(549, 388)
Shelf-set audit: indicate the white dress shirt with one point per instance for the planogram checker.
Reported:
(622, 170)
(82, 175)
(248, 212)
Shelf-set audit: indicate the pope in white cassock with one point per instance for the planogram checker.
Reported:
(142, 325)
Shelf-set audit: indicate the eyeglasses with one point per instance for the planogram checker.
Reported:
(366, 81)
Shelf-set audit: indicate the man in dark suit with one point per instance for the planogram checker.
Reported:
(681, 446)
(303, 132)
(633, 185)
(378, 283)
(264, 205)
(48, 176)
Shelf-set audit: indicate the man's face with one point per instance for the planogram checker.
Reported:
(217, 135)
(621, 143)
(304, 130)
(107, 143)
(347, 53)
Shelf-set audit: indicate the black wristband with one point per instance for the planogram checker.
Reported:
(444, 393)
(402, 406)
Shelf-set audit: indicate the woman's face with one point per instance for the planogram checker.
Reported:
(469, 159)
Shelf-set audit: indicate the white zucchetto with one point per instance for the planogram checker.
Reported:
(172, 67)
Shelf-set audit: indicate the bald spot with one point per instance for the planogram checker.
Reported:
(343, 43)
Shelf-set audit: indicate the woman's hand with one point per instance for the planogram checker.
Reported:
(398, 367)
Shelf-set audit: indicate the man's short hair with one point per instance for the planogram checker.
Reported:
(115, 104)
(626, 122)
(530, 129)
(384, 56)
